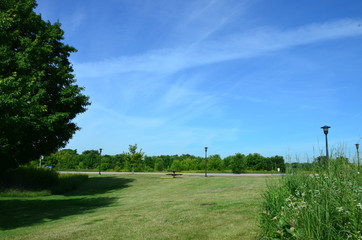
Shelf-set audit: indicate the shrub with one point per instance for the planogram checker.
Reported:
(30, 178)
(22, 181)
(324, 205)
(239, 163)
(68, 182)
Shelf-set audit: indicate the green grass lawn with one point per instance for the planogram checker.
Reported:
(140, 207)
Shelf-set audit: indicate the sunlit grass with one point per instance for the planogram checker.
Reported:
(140, 207)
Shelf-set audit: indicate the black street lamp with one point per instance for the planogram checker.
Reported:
(358, 162)
(205, 161)
(100, 161)
(325, 130)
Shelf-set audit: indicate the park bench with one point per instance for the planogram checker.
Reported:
(174, 174)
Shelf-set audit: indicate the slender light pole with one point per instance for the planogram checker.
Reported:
(100, 161)
(205, 161)
(325, 130)
(41, 158)
(358, 162)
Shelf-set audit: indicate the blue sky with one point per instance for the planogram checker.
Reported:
(248, 76)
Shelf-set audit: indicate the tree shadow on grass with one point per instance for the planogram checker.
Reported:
(23, 212)
(100, 185)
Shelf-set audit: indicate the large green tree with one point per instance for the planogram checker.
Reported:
(39, 97)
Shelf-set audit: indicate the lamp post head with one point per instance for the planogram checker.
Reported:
(325, 129)
(100, 151)
(357, 146)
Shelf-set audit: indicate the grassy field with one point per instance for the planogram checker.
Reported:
(140, 207)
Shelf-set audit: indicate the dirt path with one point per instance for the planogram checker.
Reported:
(186, 174)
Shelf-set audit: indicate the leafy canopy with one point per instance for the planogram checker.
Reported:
(134, 158)
(39, 97)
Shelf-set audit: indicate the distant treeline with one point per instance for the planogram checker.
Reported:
(137, 161)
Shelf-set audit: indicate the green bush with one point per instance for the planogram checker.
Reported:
(239, 163)
(30, 178)
(23, 180)
(68, 182)
(324, 205)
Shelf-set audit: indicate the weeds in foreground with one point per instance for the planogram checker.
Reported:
(324, 205)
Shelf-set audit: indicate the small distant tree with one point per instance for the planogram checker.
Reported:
(50, 160)
(90, 159)
(119, 162)
(176, 165)
(228, 161)
(106, 162)
(134, 158)
(215, 162)
(159, 164)
(273, 163)
(255, 161)
(62, 159)
(67, 159)
(189, 164)
(149, 162)
(239, 163)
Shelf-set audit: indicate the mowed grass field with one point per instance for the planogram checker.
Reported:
(140, 207)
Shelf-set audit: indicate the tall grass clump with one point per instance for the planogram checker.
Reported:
(26, 178)
(326, 204)
(29, 181)
(68, 182)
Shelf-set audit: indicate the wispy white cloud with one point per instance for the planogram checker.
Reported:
(166, 133)
(204, 18)
(253, 43)
(109, 115)
(177, 100)
(76, 20)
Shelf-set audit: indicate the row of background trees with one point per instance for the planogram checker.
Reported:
(136, 160)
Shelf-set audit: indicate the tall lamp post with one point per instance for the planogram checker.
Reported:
(205, 161)
(325, 130)
(358, 162)
(100, 161)
(41, 159)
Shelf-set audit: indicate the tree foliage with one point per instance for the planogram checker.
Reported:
(66, 159)
(215, 163)
(134, 158)
(239, 163)
(90, 159)
(38, 95)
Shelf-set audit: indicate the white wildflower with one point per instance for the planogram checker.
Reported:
(339, 209)
(359, 205)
